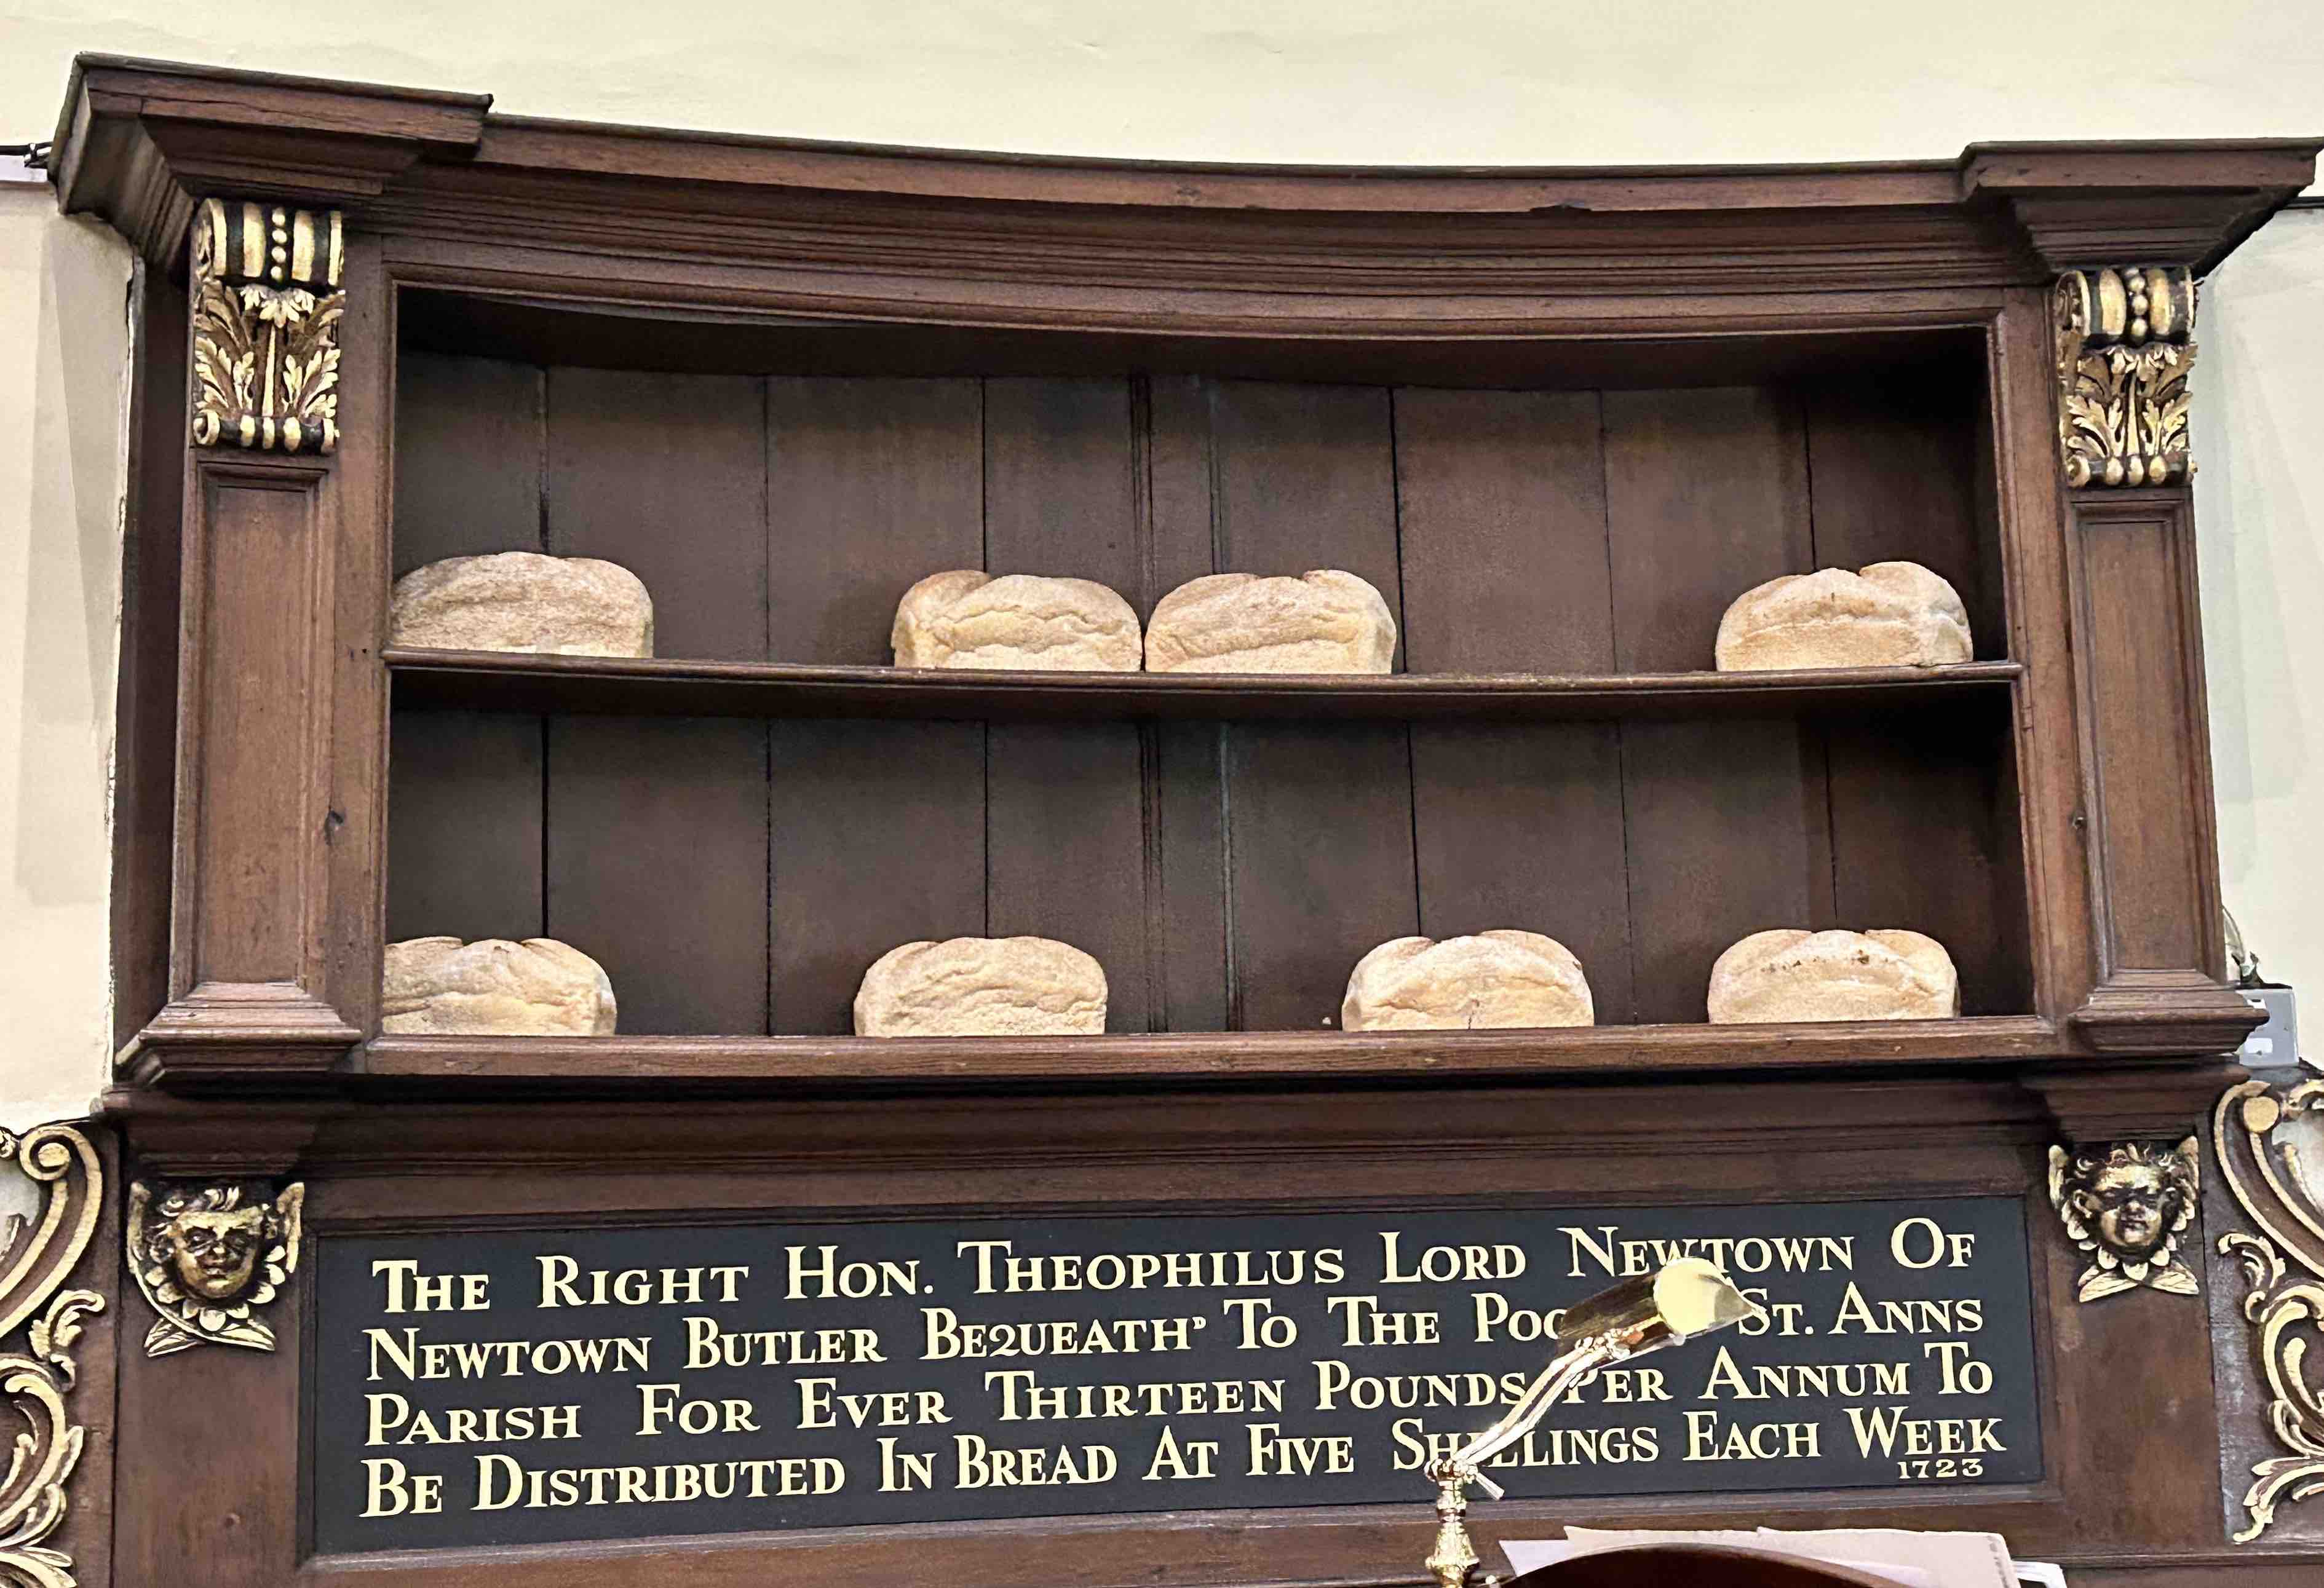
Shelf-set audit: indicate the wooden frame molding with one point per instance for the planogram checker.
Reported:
(2151, 837)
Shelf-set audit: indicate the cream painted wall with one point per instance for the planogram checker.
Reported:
(1539, 81)
(1352, 81)
(64, 344)
(2259, 511)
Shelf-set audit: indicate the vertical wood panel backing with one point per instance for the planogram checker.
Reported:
(1065, 804)
(1319, 815)
(1924, 837)
(657, 832)
(464, 826)
(1706, 496)
(878, 829)
(466, 789)
(656, 867)
(1508, 529)
(469, 458)
(1306, 478)
(1187, 896)
(1921, 837)
(873, 485)
(1520, 825)
(879, 840)
(666, 474)
(252, 889)
(1501, 516)
(1727, 838)
(1892, 465)
(2143, 676)
(1501, 513)
(1727, 822)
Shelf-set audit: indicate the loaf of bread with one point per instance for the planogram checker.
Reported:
(983, 986)
(1792, 974)
(1324, 621)
(1495, 978)
(441, 986)
(520, 601)
(965, 619)
(1885, 615)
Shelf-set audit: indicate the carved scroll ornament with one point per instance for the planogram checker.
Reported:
(36, 1257)
(2279, 1193)
(208, 1257)
(2124, 355)
(2126, 1205)
(267, 305)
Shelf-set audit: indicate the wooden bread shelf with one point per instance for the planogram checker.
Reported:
(1604, 1051)
(495, 681)
(1559, 418)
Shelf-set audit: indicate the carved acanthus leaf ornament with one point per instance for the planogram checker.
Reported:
(267, 305)
(2277, 1190)
(36, 1257)
(2124, 355)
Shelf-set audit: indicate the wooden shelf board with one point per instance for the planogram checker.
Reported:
(1601, 1052)
(497, 681)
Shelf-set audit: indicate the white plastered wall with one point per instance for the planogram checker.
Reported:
(2259, 511)
(64, 344)
(1338, 81)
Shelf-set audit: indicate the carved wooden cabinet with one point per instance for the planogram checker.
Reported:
(1561, 418)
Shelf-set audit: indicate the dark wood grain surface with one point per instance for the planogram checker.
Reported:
(1557, 758)
(620, 686)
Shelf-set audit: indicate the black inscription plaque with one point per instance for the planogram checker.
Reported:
(534, 1385)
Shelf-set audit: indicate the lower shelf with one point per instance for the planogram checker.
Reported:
(508, 681)
(1596, 1052)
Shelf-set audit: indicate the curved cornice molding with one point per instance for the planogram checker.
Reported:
(998, 239)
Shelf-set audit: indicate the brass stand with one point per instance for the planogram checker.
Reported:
(1450, 1562)
(1683, 1298)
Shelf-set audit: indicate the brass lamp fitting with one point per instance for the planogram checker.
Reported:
(1681, 1300)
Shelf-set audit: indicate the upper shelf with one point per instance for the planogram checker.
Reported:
(501, 680)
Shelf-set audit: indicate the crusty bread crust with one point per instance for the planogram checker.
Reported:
(1793, 974)
(983, 986)
(970, 619)
(1494, 980)
(1884, 615)
(520, 601)
(1324, 621)
(442, 987)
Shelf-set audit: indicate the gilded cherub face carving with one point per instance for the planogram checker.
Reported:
(2132, 1205)
(2126, 1205)
(213, 1255)
(207, 1256)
